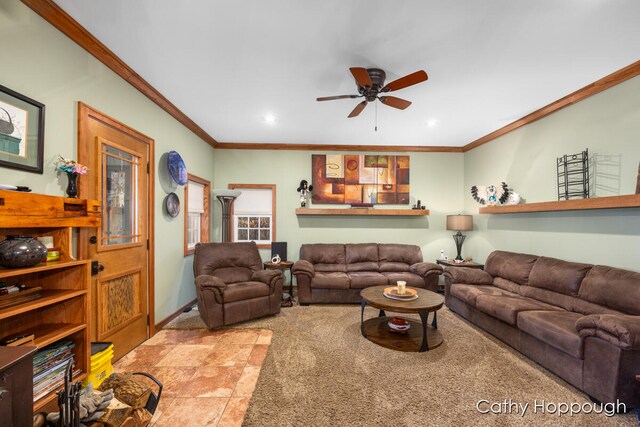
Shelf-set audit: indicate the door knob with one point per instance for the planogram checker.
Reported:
(96, 267)
(93, 240)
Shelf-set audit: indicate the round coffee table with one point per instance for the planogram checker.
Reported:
(420, 336)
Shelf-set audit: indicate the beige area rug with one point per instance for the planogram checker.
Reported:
(321, 372)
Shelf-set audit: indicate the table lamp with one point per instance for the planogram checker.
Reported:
(226, 198)
(459, 223)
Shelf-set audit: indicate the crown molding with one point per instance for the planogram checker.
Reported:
(53, 14)
(596, 87)
(328, 147)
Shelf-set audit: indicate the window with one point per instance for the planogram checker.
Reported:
(196, 218)
(254, 214)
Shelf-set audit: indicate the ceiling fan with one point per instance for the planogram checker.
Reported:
(370, 82)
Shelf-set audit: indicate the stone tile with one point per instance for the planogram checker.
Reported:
(235, 411)
(247, 382)
(186, 355)
(239, 336)
(173, 379)
(192, 412)
(142, 358)
(264, 337)
(229, 355)
(258, 355)
(163, 404)
(188, 336)
(213, 381)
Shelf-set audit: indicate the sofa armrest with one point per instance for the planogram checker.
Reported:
(425, 269)
(618, 329)
(304, 267)
(212, 284)
(472, 276)
(270, 277)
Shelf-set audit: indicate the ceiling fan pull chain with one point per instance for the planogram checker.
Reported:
(376, 124)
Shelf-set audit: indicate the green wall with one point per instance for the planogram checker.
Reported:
(608, 124)
(40, 62)
(436, 180)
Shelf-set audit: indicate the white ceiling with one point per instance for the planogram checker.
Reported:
(229, 63)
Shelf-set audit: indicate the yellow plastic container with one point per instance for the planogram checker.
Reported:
(101, 367)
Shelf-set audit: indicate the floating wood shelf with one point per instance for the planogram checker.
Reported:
(363, 212)
(612, 202)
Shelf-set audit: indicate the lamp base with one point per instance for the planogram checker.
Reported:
(459, 239)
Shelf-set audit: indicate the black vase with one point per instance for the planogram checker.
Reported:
(72, 185)
(21, 251)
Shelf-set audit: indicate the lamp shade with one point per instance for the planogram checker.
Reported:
(459, 222)
(224, 192)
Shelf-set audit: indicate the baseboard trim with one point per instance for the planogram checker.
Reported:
(172, 316)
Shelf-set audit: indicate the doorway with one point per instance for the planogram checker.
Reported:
(120, 162)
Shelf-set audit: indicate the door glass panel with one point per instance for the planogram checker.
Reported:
(120, 171)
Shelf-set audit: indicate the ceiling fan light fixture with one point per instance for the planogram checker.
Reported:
(431, 123)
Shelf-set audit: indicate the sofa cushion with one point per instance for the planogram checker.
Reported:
(507, 285)
(556, 328)
(330, 280)
(396, 257)
(245, 290)
(510, 265)
(361, 256)
(612, 287)
(507, 307)
(365, 279)
(557, 275)
(324, 256)
(411, 279)
(469, 293)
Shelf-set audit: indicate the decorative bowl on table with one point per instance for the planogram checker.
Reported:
(392, 293)
(398, 324)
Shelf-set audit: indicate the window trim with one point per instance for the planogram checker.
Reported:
(205, 230)
(272, 187)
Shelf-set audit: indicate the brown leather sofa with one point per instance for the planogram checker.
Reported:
(231, 285)
(336, 273)
(580, 321)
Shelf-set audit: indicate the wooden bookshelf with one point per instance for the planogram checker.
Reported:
(363, 212)
(611, 202)
(62, 310)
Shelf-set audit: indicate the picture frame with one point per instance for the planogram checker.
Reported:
(21, 132)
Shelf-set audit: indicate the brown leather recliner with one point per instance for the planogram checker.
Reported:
(231, 285)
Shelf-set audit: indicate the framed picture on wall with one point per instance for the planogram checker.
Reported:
(21, 132)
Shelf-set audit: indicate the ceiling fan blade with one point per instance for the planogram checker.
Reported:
(394, 102)
(331, 98)
(361, 76)
(408, 80)
(358, 109)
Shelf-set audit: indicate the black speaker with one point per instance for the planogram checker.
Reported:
(279, 248)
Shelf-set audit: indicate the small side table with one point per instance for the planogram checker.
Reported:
(452, 263)
(283, 266)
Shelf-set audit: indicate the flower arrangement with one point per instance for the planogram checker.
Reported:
(71, 166)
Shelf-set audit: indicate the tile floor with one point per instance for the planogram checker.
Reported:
(208, 376)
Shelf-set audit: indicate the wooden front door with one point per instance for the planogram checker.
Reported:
(120, 176)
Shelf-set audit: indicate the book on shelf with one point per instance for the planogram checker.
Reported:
(50, 366)
(24, 294)
(17, 339)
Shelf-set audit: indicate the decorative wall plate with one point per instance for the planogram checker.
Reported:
(172, 204)
(177, 168)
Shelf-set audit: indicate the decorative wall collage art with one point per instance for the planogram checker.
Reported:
(360, 179)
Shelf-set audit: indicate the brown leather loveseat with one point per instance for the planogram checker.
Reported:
(580, 321)
(336, 273)
(231, 285)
